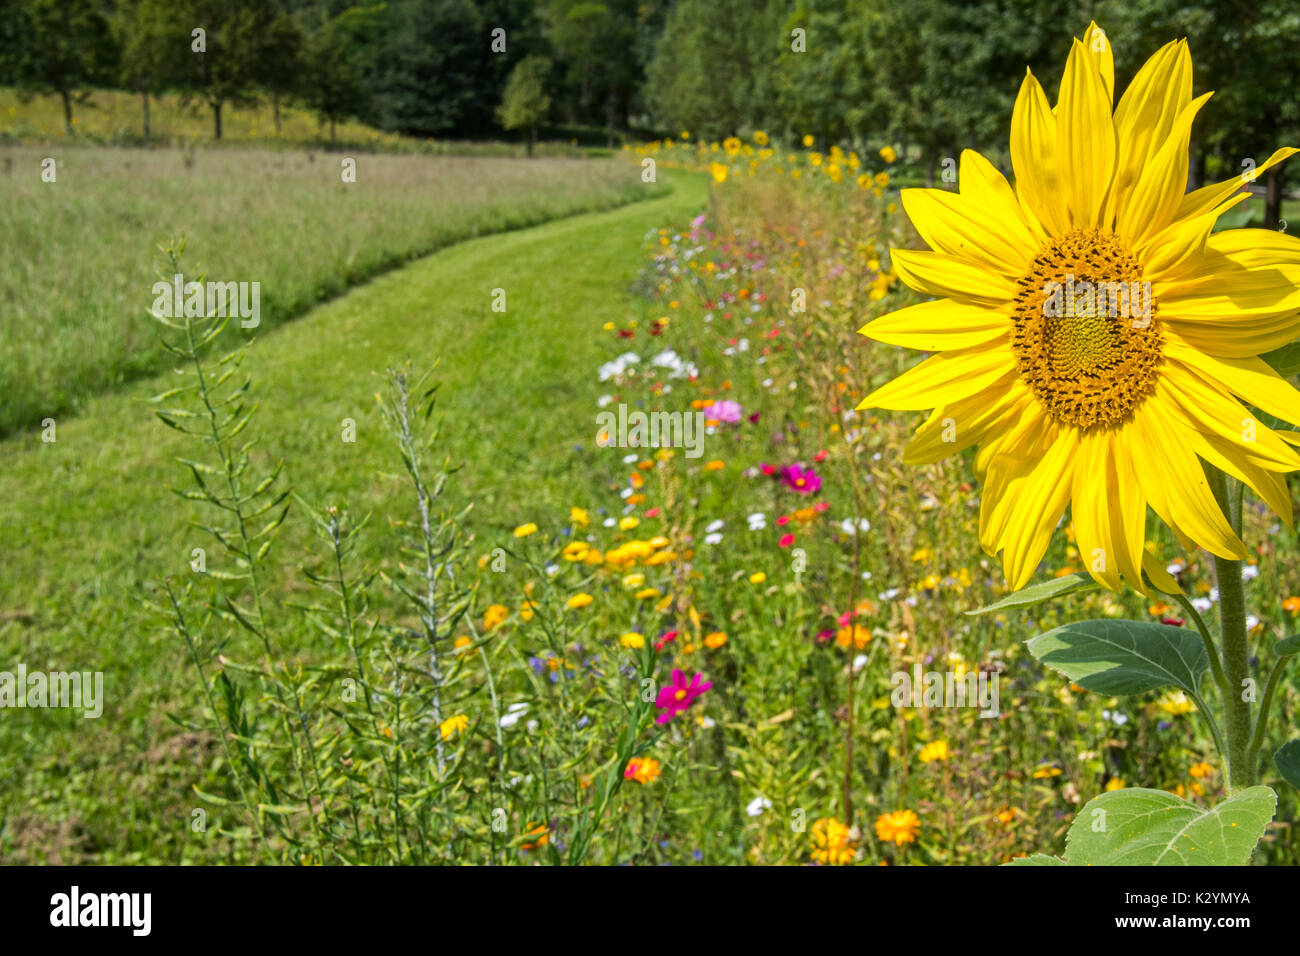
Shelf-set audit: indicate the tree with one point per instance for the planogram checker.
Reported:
(280, 65)
(152, 50)
(598, 43)
(59, 46)
(526, 103)
(333, 82)
(225, 57)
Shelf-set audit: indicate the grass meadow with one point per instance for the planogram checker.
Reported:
(486, 636)
(284, 219)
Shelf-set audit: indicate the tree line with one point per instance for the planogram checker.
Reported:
(931, 75)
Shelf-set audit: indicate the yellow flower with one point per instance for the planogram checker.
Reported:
(576, 550)
(900, 827)
(1115, 783)
(646, 593)
(934, 750)
(832, 842)
(887, 154)
(731, 146)
(858, 636)
(494, 616)
(1045, 772)
(462, 643)
(1103, 400)
(719, 172)
(628, 523)
(882, 180)
(760, 137)
(642, 769)
(715, 640)
(758, 577)
(1201, 769)
(579, 516)
(453, 725)
(632, 641)
(527, 610)
(524, 530)
(808, 139)
(579, 600)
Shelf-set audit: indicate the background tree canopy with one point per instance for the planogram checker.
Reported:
(930, 76)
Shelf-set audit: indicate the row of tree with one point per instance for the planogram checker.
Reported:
(420, 67)
(936, 75)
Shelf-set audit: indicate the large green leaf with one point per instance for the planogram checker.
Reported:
(1123, 657)
(1285, 361)
(1037, 859)
(1043, 591)
(1287, 760)
(1156, 828)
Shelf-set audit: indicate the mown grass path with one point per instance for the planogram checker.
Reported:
(88, 521)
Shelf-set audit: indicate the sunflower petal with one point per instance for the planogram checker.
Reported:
(938, 326)
(942, 276)
(1034, 157)
(950, 223)
(1086, 143)
(1146, 113)
(1161, 184)
(944, 378)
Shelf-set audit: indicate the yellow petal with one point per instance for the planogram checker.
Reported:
(942, 276)
(1163, 459)
(984, 185)
(945, 378)
(1207, 197)
(1034, 157)
(1146, 113)
(950, 223)
(953, 428)
(1092, 500)
(1086, 144)
(1250, 379)
(1162, 183)
(1037, 502)
(938, 326)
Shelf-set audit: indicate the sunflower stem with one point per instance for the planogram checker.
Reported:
(1236, 649)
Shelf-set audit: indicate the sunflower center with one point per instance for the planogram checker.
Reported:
(1084, 331)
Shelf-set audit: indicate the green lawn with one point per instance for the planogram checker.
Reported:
(87, 522)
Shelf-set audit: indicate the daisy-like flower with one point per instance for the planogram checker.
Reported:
(900, 827)
(678, 695)
(642, 769)
(1097, 340)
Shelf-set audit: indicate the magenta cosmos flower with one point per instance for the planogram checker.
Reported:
(678, 695)
(803, 480)
(724, 411)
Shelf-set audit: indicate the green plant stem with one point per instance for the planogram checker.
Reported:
(1266, 704)
(1212, 649)
(1236, 650)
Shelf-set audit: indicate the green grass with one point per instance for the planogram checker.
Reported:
(86, 522)
(78, 257)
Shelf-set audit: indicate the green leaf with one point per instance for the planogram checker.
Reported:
(1287, 760)
(1123, 657)
(1043, 591)
(1156, 828)
(1287, 646)
(1285, 361)
(1037, 859)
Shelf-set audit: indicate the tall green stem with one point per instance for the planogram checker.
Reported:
(1236, 650)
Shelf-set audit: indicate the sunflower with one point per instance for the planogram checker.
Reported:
(1096, 340)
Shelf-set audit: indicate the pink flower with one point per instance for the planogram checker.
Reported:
(667, 638)
(678, 695)
(786, 540)
(805, 481)
(767, 469)
(724, 411)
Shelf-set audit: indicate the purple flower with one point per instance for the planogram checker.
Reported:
(804, 481)
(724, 411)
(678, 695)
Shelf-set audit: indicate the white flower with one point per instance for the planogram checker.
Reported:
(512, 714)
(713, 539)
(618, 366)
(756, 806)
(1249, 572)
(631, 458)
(757, 521)
(863, 525)
(1202, 604)
(604, 400)
(1115, 717)
(716, 525)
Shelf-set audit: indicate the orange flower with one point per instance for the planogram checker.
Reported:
(901, 827)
